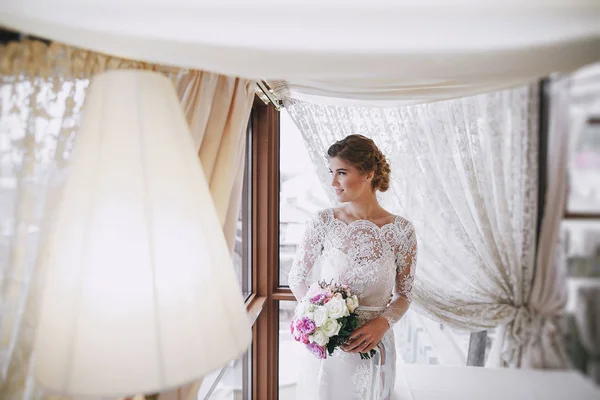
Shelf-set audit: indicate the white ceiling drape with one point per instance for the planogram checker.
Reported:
(376, 51)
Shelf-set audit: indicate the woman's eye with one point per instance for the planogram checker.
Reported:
(342, 173)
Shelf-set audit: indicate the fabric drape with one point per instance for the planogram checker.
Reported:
(217, 108)
(352, 49)
(465, 173)
(41, 94)
(548, 296)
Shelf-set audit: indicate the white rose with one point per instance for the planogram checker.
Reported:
(331, 328)
(319, 338)
(319, 315)
(304, 309)
(352, 303)
(337, 308)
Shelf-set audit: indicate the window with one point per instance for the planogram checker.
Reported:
(234, 381)
(301, 193)
(262, 301)
(289, 353)
(584, 171)
(580, 228)
(242, 250)
(581, 225)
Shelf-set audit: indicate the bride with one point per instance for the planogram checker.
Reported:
(369, 249)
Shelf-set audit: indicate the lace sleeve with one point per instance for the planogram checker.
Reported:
(310, 249)
(406, 262)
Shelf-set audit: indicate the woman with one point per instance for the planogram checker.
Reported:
(369, 249)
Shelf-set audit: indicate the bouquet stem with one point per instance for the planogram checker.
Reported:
(365, 356)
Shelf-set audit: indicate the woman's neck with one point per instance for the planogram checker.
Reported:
(366, 208)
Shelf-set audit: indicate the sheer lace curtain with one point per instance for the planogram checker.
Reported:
(42, 90)
(465, 173)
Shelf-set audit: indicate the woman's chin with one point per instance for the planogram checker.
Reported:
(341, 198)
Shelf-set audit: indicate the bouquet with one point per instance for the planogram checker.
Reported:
(325, 318)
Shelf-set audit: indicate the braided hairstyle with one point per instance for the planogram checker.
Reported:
(362, 153)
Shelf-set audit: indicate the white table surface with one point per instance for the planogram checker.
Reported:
(431, 382)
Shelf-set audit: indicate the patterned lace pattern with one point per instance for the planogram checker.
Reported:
(377, 262)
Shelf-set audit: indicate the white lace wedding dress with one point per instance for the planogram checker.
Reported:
(378, 263)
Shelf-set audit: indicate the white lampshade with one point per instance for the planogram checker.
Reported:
(139, 292)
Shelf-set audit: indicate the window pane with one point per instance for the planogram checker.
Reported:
(584, 171)
(582, 247)
(581, 239)
(242, 251)
(300, 194)
(232, 382)
(290, 352)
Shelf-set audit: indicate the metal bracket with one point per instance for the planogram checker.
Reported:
(267, 96)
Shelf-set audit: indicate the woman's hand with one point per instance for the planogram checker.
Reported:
(367, 337)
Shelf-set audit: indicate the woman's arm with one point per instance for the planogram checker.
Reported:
(310, 249)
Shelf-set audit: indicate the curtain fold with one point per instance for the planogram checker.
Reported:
(41, 94)
(377, 50)
(548, 297)
(465, 172)
(218, 108)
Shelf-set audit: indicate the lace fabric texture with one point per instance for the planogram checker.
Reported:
(378, 263)
(38, 123)
(465, 173)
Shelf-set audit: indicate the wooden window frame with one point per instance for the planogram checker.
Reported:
(266, 184)
(256, 296)
(265, 232)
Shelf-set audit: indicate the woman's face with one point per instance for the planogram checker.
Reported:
(349, 184)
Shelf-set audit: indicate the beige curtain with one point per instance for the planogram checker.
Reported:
(41, 93)
(217, 108)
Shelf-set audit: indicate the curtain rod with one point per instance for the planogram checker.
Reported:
(267, 96)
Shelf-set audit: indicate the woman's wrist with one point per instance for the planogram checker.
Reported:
(385, 322)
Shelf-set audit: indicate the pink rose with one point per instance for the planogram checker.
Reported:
(314, 289)
(318, 351)
(306, 326)
(318, 299)
(304, 339)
